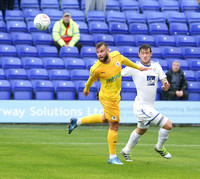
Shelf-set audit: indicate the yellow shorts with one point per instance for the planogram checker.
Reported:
(111, 109)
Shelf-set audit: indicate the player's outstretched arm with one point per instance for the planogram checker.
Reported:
(142, 68)
(166, 85)
(89, 83)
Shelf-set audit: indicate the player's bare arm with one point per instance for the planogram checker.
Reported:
(166, 85)
(142, 68)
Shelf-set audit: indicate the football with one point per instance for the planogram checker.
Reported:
(42, 21)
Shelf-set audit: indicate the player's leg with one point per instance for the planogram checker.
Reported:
(133, 140)
(163, 134)
(96, 118)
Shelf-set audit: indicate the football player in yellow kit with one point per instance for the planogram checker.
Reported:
(108, 70)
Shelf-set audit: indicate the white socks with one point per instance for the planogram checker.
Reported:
(112, 156)
(79, 122)
(133, 140)
(162, 137)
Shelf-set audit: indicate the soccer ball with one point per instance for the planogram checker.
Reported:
(42, 21)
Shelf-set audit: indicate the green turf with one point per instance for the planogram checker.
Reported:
(47, 151)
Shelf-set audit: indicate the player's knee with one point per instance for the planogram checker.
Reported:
(140, 131)
(168, 125)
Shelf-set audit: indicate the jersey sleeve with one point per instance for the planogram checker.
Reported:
(161, 73)
(127, 71)
(125, 61)
(92, 77)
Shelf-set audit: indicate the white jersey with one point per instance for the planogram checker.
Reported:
(145, 82)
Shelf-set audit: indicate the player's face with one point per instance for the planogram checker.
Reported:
(102, 53)
(66, 19)
(145, 56)
(175, 67)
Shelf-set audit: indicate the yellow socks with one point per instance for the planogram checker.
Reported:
(112, 141)
(96, 118)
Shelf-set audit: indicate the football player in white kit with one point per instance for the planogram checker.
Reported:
(146, 85)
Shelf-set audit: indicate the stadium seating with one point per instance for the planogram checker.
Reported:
(29, 4)
(148, 6)
(5, 90)
(183, 64)
(2, 74)
(65, 90)
(53, 63)
(47, 51)
(77, 15)
(198, 76)
(38, 74)
(191, 52)
(129, 6)
(138, 28)
(194, 28)
(80, 74)
(158, 28)
(115, 16)
(172, 52)
(30, 14)
(145, 39)
(128, 90)
(27, 51)
(194, 91)
(123, 39)
(83, 27)
(3, 26)
(74, 63)
(94, 15)
(22, 38)
(16, 74)
(178, 29)
(16, 26)
(193, 17)
(22, 90)
(31, 28)
(189, 75)
(185, 40)
(69, 52)
(157, 52)
(112, 5)
(118, 28)
(98, 27)
(54, 14)
(90, 62)
(1, 16)
(46, 4)
(32, 62)
(129, 51)
(68, 4)
(165, 40)
(155, 17)
(5, 38)
(14, 15)
(195, 64)
(88, 52)
(59, 75)
(86, 39)
(105, 37)
(189, 6)
(11, 62)
(169, 5)
(113, 48)
(132, 17)
(176, 17)
(42, 39)
(8, 50)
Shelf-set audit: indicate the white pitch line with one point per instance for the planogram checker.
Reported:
(89, 143)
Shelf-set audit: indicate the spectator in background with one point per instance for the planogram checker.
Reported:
(66, 32)
(178, 82)
(90, 5)
(3, 3)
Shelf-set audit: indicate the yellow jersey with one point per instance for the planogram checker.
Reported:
(109, 76)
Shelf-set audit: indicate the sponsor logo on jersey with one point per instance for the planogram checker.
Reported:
(113, 78)
(151, 80)
(90, 73)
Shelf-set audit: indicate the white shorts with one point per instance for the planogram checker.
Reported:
(148, 115)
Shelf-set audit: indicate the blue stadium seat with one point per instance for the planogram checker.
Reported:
(1, 16)
(5, 90)
(129, 51)
(54, 14)
(29, 4)
(22, 38)
(53, 63)
(185, 40)
(16, 26)
(3, 27)
(118, 28)
(128, 90)
(30, 14)
(129, 5)
(172, 52)
(176, 17)
(5, 38)
(31, 28)
(158, 28)
(194, 28)
(22, 90)
(155, 17)
(47, 51)
(189, 6)
(14, 15)
(195, 64)
(46, 4)
(27, 51)
(2, 74)
(104, 37)
(178, 28)
(138, 28)
(163, 63)
(82, 3)
(44, 90)
(88, 52)
(42, 39)
(38, 74)
(193, 17)
(15, 74)
(169, 5)
(183, 64)
(79, 89)
(74, 63)
(68, 4)
(124, 39)
(90, 62)
(77, 15)
(191, 52)
(80, 74)
(59, 74)
(32, 62)
(145, 39)
(8, 50)
(86, 39)
(112, 5)
(11, 62)
(198, 76)
(194, 91)
(113, 48)
(150, 5)
(115, 16)
(98, 27)
(94, 15)
(165, 40)
(132, 17)
(69, 52)
(83, 27)
(65, 90)
(189, 75)
(157, 52)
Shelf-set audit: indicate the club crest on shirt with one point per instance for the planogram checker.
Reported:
(151, 80)
(117, 64)
(114, 118)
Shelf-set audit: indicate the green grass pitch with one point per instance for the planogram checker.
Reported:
(47, 151)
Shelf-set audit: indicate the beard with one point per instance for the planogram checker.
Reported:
(105, 58)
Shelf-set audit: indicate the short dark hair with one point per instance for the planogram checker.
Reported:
(101, 44)
(146, 47)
